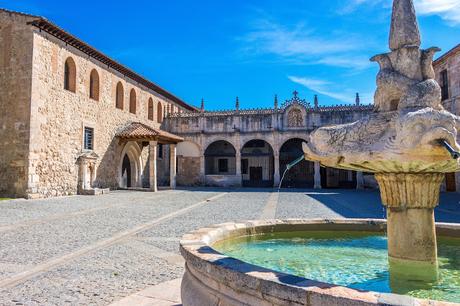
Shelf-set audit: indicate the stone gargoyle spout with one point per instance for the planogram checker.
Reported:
(403, 133)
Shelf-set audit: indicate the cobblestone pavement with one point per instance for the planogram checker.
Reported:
(96, 250)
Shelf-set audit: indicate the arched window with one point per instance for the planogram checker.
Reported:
(132, 101)
(119, 97)
(94, 85)
(70, 75)
(150, 109)
(159, 113)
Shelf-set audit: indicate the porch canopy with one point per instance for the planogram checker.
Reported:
(137, 131)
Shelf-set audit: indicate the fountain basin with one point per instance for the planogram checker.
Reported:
(212, 278)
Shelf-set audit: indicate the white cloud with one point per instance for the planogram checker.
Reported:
(300, 45)
(324, 88)
(270, 37)
(448, 10)
(346, 61)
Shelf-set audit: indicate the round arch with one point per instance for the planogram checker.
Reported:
(188, 149)
(303, 174)
(220, 158)
(257, 164)
(130, 166)
(70, 75)
(94, 85)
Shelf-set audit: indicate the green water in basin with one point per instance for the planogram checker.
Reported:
(353, 259)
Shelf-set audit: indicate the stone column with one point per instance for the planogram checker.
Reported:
(276, 174)
(317, 176)
(203, 169)
(238, 167)
(172, 166)
(410, 200)
(153, 166)
(359, 180)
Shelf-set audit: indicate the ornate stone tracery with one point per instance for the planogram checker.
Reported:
(295, 118)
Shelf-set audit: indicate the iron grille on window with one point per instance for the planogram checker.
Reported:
(444, 85)
(89, 138)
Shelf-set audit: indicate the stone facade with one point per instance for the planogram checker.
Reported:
(450, 64)
(42, 124)
(274, 128)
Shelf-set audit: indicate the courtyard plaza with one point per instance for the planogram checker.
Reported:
(100, 250)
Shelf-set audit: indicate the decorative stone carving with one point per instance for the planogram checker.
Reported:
(87, 171)
(400, 142)
(295, 118)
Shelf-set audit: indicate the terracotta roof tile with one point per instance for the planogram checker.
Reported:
(140, 131)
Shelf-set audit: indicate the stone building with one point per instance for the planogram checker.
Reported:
(447, 68)
(253, 147)
(73, 120)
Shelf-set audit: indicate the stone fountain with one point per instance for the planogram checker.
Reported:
(403, 142)
(409, 142)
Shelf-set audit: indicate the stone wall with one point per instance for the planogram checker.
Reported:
(16, 42)
(451, 62)
(59, 118)
(188, 171)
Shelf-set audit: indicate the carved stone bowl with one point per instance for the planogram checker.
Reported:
(212, 278)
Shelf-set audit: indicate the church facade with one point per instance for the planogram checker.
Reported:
(74, 121)
(252, 147)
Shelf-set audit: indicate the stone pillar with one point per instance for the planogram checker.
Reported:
(172, 165)
(238, 163)
(203, 169)
(410, 200)
(317, 176)
(153, 166)
(359, 180)
(276, 174)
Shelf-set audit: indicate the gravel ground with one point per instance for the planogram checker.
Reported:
(40, 231)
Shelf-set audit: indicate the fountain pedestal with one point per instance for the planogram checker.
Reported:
(410, 200)
(409, 142)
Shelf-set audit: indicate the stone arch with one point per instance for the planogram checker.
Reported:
(220, 158)
(189, 164)
(159, 112)
(257, 163)
(303, 174)
(70, 75)
(132, 101)
(189, 149)
(119, 96)
(94, 85)
(130, 163)
(150, 109)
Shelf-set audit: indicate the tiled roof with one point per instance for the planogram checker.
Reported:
(446, 55)
(139, 131)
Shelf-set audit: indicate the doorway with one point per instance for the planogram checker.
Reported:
(255, 176)
(126, 171)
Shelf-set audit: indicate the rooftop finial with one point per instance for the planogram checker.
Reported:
(276, 101)
(404, 27)
(202, 105)
(237, 104)
(295, 93)
(316, 102)
(358, 99)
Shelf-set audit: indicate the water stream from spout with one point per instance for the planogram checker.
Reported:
(288, 167)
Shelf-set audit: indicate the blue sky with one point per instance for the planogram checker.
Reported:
(252, 49)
